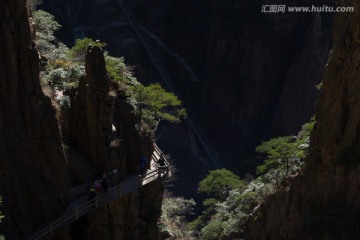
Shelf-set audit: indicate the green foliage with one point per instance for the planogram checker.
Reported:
(115, 68)
(202, 220)
(197, 224)
(210, 202)
(45, 26)
(57, 77)
(65, 102)
(63, 67)
(32, 5)
(155, 103)
(63, 75)
(152, 103)
(219, 182)
(78, 51)
(229, 212)
(173, 213)
(278, 152)
(212, 231)
(236, 209)
(284, 154)
(119, 73)
(70, 86)
(65, 78)
(59, 72)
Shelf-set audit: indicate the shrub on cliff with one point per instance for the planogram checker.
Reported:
(120, 73)
(284, 155)
(155, 104)
(152, 103)
(278, 152)
(173, 213)
(32, 5)
(45, 26)
(78, 51)
(201, 221)
(212, 231)
(219, 182)
(66, 77)
(235, 201)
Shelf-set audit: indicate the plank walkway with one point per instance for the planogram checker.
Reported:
(81, 207)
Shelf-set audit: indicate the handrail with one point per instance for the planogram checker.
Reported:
(211, 154)
(74, 213)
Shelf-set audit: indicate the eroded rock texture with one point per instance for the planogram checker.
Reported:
(102, 128)
(324, 202)
(93, 110)
(33, 172)
(36, 178)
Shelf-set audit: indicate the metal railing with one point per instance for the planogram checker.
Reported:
(128, 186)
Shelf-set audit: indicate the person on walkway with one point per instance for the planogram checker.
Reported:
(91, 195)
(104, 182)
(98, 187)
(161, 161)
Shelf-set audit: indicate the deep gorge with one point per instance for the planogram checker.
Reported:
(245, 76)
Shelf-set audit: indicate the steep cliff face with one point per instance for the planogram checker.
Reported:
(324, 202)
(93, 110)
(98, 134)
(102, 128)
(256, 71)
(34, 179)
(240, 68)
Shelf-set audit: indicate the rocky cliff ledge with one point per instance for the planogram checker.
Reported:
(35, 182)
(101, 128)
(98, 132)
(324, 202)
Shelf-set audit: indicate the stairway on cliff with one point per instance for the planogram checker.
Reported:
(178, 140)
(80, 206)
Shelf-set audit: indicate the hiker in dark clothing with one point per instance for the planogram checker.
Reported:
(161, 161)
(98, 186)
(104, 182)
(91, 195)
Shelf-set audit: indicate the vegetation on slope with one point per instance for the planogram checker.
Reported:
(61, 69)
(174, 211)
(284, 157)
(233, 200)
